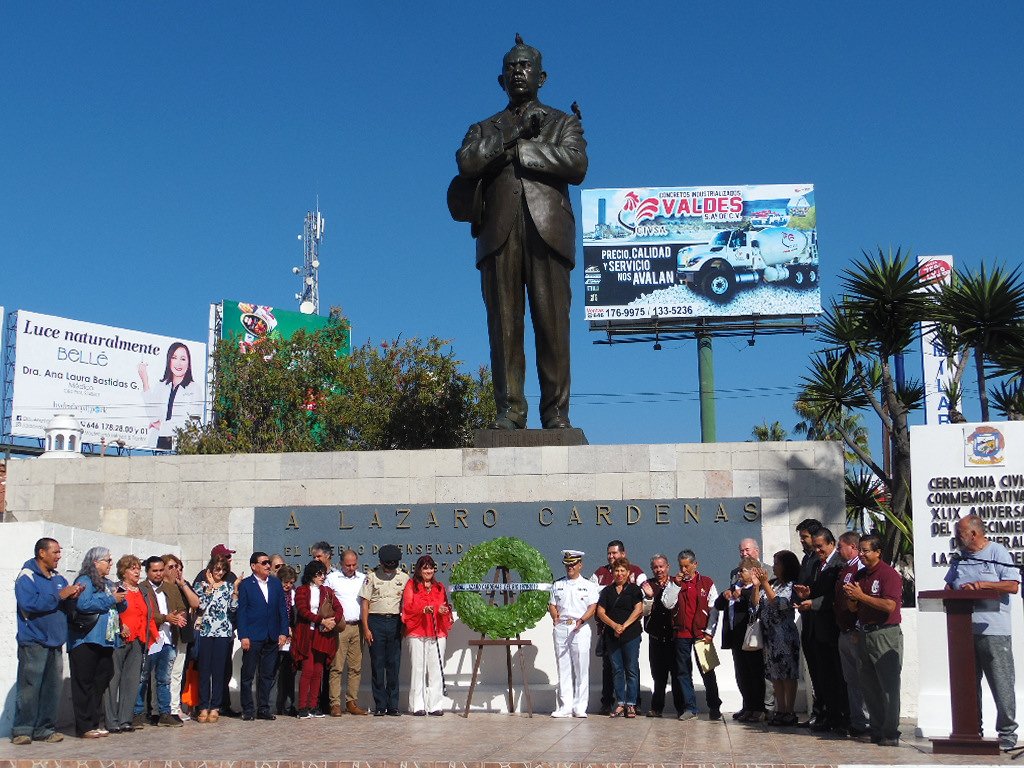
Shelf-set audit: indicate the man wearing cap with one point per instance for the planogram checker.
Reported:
(221, 550)
(381, 619)
(572, 604)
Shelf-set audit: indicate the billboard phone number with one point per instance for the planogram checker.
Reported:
(627, 313)
(121, 429)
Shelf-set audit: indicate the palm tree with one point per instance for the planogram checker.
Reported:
(876, 319)
(986, 310)
(815, 426)
(769, 433)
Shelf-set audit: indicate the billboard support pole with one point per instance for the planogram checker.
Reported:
(706, 382)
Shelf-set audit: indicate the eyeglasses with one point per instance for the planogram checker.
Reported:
(277, 566)
(262, 562)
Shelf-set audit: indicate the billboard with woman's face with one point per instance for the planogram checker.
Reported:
(122, 385)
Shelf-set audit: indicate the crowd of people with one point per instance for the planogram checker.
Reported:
(148, 647)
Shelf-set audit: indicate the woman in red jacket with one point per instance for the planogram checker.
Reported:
(427, 618)
(315, 638)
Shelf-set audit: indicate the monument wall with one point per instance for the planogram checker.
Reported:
(656, 498)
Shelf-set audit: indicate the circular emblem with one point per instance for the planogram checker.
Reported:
(531, 602)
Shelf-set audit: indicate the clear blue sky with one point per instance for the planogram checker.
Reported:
(157, 157)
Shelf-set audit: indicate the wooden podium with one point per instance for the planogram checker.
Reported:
(965, 738)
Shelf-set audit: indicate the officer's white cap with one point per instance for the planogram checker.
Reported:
(571, 556)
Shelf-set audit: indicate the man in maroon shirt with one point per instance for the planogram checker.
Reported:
(876, 594)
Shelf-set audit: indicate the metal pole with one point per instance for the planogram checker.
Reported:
(706, 382)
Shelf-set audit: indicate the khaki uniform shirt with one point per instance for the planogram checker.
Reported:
(384, 593)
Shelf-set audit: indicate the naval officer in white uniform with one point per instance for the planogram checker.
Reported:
(572, 605)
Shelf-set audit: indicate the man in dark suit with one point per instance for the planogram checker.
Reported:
(519, 164)
(262, 629)
(818, 608)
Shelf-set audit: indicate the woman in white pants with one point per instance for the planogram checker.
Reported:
(427, 618)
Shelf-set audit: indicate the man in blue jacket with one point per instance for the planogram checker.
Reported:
(262, 629)
(42, 629)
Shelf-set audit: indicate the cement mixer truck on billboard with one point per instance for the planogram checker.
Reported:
(662, 253)
(737, 257)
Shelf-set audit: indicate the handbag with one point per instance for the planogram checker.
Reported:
(80, 620)
(753, 638)
(326, 611)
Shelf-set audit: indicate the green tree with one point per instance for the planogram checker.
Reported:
(300, 394)
(814, 426)
(985, 310)
(769, 433)
(876, 319)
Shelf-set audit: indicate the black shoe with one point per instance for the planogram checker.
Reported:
(821, 727)
(653, 713)
(291, 712)
(266, 716)
(806, 723)
(420, 713)
(229, 712)
(714, 714)
(379, 712)
(393, 713)
(854, 733)
(889, 743)
(605, 710)
(139, 722)
(437, 713)
(739, 715)
(841, 731)
(247, 717)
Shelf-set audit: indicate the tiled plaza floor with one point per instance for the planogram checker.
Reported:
(481, 741)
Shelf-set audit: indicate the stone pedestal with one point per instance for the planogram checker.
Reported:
(528, 438)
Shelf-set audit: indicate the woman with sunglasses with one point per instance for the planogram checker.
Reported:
(315, 637)
(94, 630)
(218, 600)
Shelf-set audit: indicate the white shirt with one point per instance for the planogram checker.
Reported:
(573, 597)
(263, 587)
(314, 599)
(347, 589)
(164, 635)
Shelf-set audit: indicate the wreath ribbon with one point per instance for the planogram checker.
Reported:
(532, 593)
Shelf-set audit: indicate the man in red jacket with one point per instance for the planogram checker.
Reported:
(691, 597)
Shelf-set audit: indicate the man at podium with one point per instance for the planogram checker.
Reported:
(985, 564)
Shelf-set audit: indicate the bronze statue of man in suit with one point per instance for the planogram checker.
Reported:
(515, 169)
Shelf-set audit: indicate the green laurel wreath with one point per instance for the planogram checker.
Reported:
(501, 621)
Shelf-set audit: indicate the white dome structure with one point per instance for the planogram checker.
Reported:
(63, 438)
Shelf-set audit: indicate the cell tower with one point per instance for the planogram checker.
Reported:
(313, 234)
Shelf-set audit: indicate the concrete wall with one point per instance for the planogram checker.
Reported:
(19, 538)
(200, 501)
(197, 502)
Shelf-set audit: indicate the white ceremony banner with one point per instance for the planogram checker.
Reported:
(959, 469)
